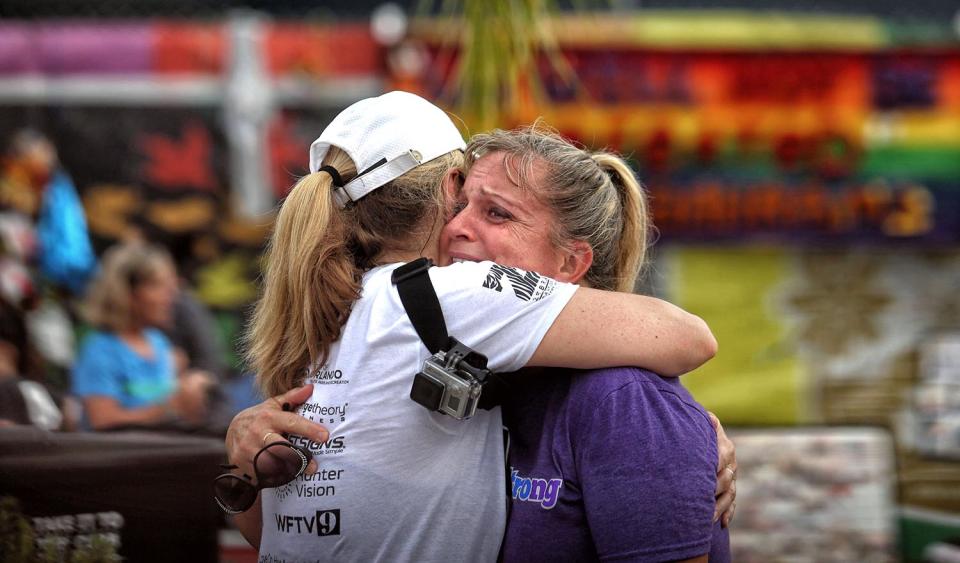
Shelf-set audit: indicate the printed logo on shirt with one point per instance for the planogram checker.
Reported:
(323, 523)
(527, 286)
(334, 445)
(329, 414)
(532, 489)
(311, 486)
(283, 491)
(324, 376)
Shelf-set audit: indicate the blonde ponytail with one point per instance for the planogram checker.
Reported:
(634, 234)
(317, 256)
(309, 285)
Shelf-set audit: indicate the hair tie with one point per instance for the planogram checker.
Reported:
(337, 180)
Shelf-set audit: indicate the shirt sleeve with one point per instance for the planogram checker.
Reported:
(647, 464)
(502, 313)
(94, 370)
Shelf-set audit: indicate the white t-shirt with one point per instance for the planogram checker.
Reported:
(397, 482)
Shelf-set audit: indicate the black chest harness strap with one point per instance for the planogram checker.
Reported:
(420, 301)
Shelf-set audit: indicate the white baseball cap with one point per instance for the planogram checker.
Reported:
(386, 137)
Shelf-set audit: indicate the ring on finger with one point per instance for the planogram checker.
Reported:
(732, 471)
(265, 437)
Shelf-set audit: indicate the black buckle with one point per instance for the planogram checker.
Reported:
(411, 269)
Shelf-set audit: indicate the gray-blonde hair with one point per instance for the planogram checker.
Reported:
(109, 301)
(594, 195)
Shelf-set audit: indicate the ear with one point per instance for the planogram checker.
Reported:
(576, 262)
(452, 181)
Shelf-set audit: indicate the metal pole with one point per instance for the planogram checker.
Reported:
(248, 108)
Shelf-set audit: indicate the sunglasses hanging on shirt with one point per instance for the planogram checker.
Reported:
(275, 465)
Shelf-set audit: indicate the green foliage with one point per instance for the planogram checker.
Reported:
(18, 542)
(499, 44)
(16, 534)
(99, 551)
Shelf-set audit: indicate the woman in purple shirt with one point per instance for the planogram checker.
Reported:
(613, 464)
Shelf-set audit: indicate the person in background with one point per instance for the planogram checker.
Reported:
(193, 332)
(125, 372)
(27, 165)
(195, 337)
(24, 400)
(191, 328)
(30, 357)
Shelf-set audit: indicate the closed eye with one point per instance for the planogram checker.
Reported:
(456, 208)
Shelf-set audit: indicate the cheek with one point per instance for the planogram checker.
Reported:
(443, 253)
(446, 233)
(497, 242)
(537, 253)
(511, 248)
(156, 299)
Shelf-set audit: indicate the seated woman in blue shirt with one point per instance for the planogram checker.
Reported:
(125, 373)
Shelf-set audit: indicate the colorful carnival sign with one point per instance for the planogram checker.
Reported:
(755, 127)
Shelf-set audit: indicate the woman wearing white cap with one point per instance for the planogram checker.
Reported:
(391, 480)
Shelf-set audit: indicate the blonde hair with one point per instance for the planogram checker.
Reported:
(109, 301)
(594, 195)
(316, 258)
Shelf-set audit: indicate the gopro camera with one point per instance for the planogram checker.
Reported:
(451, 381)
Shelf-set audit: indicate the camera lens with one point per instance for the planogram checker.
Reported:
(427, 391)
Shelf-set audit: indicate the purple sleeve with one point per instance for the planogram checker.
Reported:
(647, 463)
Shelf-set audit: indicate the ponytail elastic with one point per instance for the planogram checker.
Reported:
(337, 180)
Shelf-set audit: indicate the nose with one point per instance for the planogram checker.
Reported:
(460, 227)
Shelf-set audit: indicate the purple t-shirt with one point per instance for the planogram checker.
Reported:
(615, 464)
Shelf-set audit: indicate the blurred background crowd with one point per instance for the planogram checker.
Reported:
(802, 159)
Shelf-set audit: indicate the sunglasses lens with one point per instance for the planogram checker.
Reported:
(233, 493)
(278, 464)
